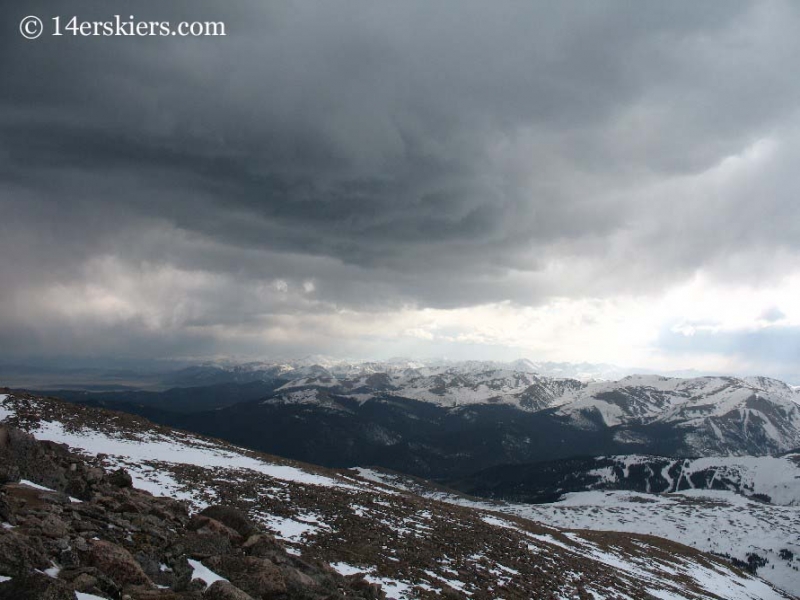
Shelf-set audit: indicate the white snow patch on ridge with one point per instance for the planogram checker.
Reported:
(4, 412)
(161, 448)
(203, 573)
(135, 450)
(35, 486)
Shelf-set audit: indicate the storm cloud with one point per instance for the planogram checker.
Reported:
(284, 188)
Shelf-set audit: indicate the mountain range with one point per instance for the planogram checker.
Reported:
(445, 422)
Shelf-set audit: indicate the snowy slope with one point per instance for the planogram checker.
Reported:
(719, 415)
(716, 521)
(415, 547)
(775, 479)
(712, 521)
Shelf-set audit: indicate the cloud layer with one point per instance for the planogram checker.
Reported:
(328, 172)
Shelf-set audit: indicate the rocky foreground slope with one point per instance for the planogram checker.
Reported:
(119, 542)
(96, 535)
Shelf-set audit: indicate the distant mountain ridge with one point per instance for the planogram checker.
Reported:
(713, 415)
(347, 369)
(449, 421)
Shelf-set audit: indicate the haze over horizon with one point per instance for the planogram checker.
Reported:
(608, 182)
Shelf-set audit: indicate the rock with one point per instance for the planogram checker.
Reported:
(35, 586)
(161, 595)
(19, 554)
(69, 558)
(169, 509)
(29, 459)
(5, 509)
(296, 579)
(367, 589)
(62, 543)
(121, 478)
(263, 545)
(257, 576)
(151, 566)
(88, 579)
(183, 574)
(94, 474)
(117, 563)
(80, 544)
(202, 546)
(128, 506)
(84, 582)
(53, 527)
(85, 526)
(225, 590)
(204, 525)
(233, 518)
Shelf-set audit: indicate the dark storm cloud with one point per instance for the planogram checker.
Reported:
(441, 154)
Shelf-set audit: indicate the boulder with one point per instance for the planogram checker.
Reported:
(204, 525)
(225, 590)
(233, 518)
(117, 563)
(35, 586)
(257, 576)
(263, 545)
(121, 479)
(54, 527)
(20, 554)
(200, 546)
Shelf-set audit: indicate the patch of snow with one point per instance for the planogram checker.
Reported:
(161, 448)
(203, 573)
(4, 412)
(347, 569)
(394, 588)
(35, 486)
(53, 571)
(290, 529)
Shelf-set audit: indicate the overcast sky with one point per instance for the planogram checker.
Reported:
(603, 181)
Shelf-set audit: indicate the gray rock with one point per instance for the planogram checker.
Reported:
(233, 518)
(35, 586)
(225, 590)
(117, 563)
